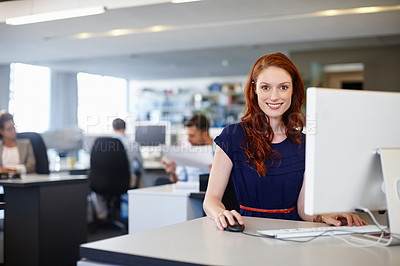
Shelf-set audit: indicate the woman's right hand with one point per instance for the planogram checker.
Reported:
(220, 219)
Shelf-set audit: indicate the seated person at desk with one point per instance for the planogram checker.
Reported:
(197, 129)
(16, 155)
(264, 154)
(135, 163)
(133, 151)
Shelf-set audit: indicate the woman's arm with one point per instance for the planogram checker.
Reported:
(31, 160)
(219, 177)
(337, 219)
(26, 156)
(300, 205)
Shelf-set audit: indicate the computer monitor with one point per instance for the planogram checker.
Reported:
(152, 134)
(64, 139)
(344, 131)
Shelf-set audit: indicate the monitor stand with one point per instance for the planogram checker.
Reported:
(390, 162)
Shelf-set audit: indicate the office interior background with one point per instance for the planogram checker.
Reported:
(157, 60)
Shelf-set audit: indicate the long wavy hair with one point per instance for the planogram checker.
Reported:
(256, 125)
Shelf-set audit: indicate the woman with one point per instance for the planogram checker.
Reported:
(265, 153)
(16, 155)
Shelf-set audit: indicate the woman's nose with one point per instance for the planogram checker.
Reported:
(274, 94)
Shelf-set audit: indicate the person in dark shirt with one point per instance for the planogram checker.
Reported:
(264, 154)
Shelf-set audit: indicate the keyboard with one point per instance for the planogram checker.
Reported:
(319, 231)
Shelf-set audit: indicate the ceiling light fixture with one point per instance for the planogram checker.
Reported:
(164, 28)
(183, 1)
(225, 63)
(358, 10)
(57, 15)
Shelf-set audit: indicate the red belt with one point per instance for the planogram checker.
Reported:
(267, 211)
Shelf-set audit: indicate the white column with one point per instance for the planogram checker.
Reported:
(64, 100)
(4, 86)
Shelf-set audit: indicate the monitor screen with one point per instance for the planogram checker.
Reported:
(345, 128)
(148, 133)
(65, 139)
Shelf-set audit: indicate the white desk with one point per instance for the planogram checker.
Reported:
(199, 242)
(45, 219)
(159, 206)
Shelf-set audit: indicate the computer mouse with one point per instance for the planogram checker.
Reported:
(234, 228)
(343, 221)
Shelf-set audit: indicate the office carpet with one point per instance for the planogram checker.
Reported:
(104, 231)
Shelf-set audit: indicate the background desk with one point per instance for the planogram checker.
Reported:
(153, 169)
(159, 206)
(200, 242)
(45, 219)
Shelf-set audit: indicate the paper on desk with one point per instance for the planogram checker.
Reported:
(194, 156)
(186, 186)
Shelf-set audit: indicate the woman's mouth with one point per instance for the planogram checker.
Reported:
(274, 106)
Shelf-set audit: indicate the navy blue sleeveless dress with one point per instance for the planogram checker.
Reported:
(274, 195)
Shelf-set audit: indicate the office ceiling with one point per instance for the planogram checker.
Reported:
(198, 39)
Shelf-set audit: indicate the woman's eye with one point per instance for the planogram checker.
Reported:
(284, 87)
(265, 87)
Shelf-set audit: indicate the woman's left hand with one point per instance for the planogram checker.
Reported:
(340, 219)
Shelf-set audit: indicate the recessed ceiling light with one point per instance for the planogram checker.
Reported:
(358, 10)
(225, 63)
(57, 15)
(164, 28)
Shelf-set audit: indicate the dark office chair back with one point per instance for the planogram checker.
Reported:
(109, 168)
(229, 198)
(39, 149)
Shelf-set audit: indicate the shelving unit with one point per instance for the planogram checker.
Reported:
(224, 107)
(223, 103)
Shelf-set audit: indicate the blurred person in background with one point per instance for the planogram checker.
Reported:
(16, 155)
(132, 149)
(197, 130)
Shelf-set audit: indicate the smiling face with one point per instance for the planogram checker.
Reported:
(274, 89)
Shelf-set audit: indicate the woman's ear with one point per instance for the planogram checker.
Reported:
(253, 84)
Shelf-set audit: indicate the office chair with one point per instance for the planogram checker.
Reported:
(229, 198)
(109, 175)
(39, 149)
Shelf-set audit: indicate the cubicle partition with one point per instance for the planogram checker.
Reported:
(45, 219)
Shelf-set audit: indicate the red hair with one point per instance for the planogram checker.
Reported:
(258, 131)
